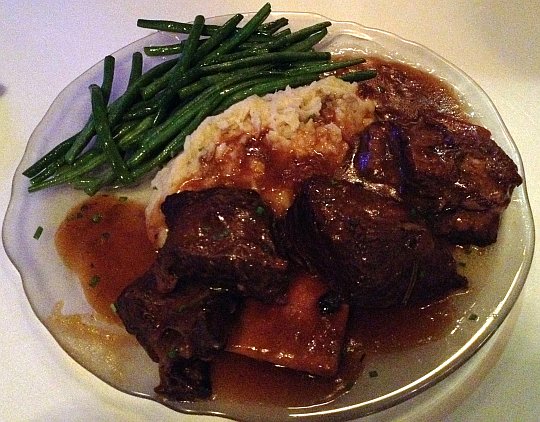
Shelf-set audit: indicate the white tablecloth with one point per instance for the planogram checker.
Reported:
(44, 45)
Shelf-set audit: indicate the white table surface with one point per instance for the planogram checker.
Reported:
(44, 45)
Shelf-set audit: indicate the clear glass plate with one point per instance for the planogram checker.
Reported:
(497, 276)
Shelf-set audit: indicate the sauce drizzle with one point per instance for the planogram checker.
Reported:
(103, 240)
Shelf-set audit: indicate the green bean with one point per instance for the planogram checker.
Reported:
(93, 185)
(116, 108)
(85, 158)
(254, 45)
(69, 176)
(217, 38)
(181, 67)
(362, 75)
(206, 47)
(136, 67)
(87, 132)
(297, 36)
(172, 26)
(103, 131)
(276, 57)
(274, 26)
(219, 78)
(151, 89)
(175, 146)
(58, 152)
(184, 63)
(308, 43)
(131, 137)
(164, 50)
(235, 56)
(141, 110)
(48, 171)
(323, 67)
(185, 28)
(266, 88)
(243, 34)
(108, 76)
(123, 128)
(160, 134)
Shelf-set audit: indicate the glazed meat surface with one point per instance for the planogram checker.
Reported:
(182, 330)
(367, 246)
(219, 249)
(448, 170)
(425, 151)
(223, 237)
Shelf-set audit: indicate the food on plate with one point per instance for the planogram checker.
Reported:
(295, 196)
(353, 204)
(266, 143)
(366, 246)
(225, 235)
(147, 125)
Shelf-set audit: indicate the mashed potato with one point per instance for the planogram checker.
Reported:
(268, 143)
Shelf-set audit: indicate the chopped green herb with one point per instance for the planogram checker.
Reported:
(38, 232)
(473, 317)
(123, 198)
(373, 374)
(172, 353)
(97, 217)
(94, 281)
(462, 264)
(222, 234)
(259, 210)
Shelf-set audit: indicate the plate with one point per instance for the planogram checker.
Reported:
(497, 274)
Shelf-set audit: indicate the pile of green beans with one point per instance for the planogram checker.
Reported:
(212, 69)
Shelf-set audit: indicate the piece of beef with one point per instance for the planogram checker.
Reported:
(449, 170)
(222, 237)
(375, 162)
(182, 330)
(367, 246)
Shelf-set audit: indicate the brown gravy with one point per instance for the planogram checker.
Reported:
(237, 378)
(104, 241)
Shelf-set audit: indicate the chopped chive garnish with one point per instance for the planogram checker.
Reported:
(473, 317)
(259, 210)
(373, 374)
(94, 281)
(123, 198)
(96, 218)
(38, 232)
(172, 353)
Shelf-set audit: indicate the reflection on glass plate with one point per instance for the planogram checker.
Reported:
(497, 275)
